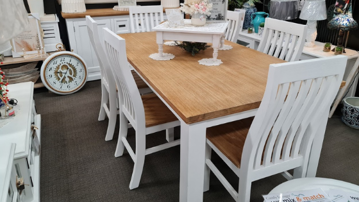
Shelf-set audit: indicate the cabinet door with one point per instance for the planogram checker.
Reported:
(83, 43)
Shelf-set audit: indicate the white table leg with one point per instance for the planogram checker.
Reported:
(222, 41)
(160, 49)
(217, 40)
(193, 142)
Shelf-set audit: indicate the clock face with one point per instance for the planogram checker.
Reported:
(64, 73)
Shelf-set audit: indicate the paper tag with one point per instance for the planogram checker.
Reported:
(35, 141)
(315, 195)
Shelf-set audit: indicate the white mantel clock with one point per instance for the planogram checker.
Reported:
(64, 73)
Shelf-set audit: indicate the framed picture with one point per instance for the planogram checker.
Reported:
(219, 10)
(31, 40)
(174, 17)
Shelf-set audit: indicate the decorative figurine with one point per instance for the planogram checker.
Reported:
(13, 101)
(327, 47)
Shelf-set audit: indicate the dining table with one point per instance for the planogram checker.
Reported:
(201, 96)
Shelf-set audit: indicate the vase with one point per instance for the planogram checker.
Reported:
(258, 19)
(247, 19)
(198, 19)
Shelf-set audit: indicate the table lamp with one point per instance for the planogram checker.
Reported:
(312, 11)
(343, 23)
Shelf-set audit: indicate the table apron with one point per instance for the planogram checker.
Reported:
(203, 38)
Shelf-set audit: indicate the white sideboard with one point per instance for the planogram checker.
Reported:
(310, 53)
(117, 21)
(8, 191)
(19, 131)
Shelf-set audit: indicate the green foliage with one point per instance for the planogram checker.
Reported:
(338, 48)
(262, 24)
(327, 45)
(192, 47)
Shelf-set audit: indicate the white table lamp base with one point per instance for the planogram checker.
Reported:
(311, 33)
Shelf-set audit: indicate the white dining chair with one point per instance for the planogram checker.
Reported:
(288, 128)
(281, 39)
(144, 18)
(108, 86)
(235, 23)
(147, 114)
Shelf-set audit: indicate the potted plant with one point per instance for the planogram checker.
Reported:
(261, 28)
(250, 30)
(338, 50)
(327, 47)
(192, 47)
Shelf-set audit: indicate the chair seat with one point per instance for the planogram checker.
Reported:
(139, 82)
(230, 138)
(156, 112)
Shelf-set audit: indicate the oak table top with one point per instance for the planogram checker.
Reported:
(196, 92)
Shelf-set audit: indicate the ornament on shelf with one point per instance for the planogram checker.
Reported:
(3, 89)
(5, 109)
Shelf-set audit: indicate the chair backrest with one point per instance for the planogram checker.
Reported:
(284, 40)
(130, 100)
(235, 23)
(144, 18)
(96, 41)
(295, 105)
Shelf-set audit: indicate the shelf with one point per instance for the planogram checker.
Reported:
(39, 85)
(11, 60)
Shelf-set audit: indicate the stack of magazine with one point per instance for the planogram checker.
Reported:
(314, 195)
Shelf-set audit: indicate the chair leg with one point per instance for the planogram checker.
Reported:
(139, 160)
(122, 133)
(170, 134)
(244, 189)
(112, 117)
(299, 173)
(207, 170)
(104, 100)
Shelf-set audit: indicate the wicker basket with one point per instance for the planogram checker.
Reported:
(170, 3)
(73, 6)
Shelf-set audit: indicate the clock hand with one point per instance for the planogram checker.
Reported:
(64, 75)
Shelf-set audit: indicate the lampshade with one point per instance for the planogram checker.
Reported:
(13, 19)
(343, 22)
(6, 46)
(314, 10)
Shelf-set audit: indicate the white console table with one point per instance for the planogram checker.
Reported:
(18, 131)
(310, 53)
